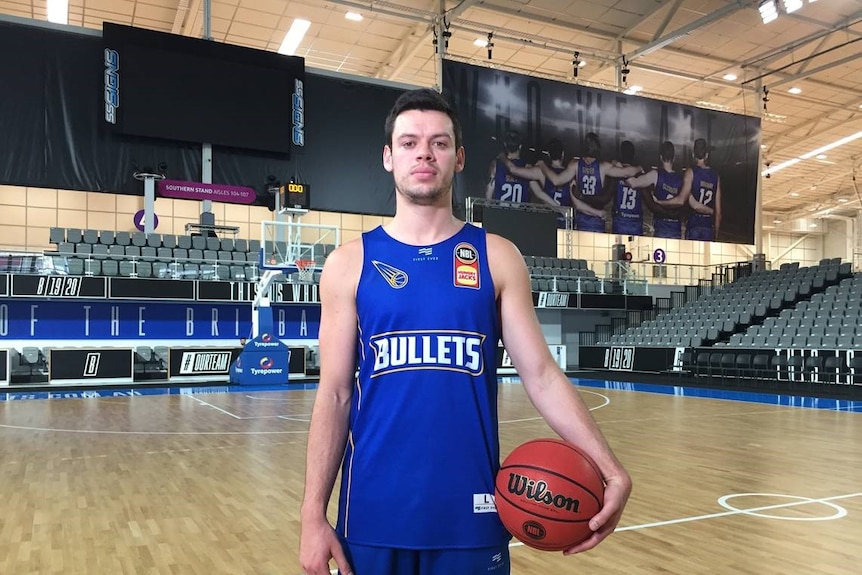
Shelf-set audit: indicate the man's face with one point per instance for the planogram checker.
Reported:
(423, 158)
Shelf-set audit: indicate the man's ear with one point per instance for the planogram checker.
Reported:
(387, 158)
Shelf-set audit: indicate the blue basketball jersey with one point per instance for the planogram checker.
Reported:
(508, 188)
(628, 211)
(423, 449)
(559, 194)
(704, 186)
(590, 184)
(668, 185)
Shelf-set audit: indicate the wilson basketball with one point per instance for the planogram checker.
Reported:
(546, 492)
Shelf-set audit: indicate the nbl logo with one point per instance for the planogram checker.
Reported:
(91, 364)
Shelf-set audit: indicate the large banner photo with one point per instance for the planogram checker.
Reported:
(626, 164)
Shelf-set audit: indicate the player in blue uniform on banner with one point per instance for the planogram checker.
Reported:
(628, 211)
(666, 184)
(419, 306)
(701, 191)
(503, 185)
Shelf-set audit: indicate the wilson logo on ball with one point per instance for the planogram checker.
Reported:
(538, 491)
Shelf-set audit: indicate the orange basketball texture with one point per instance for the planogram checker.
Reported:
(546, 492)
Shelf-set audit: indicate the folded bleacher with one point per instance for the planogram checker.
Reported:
(140, 255)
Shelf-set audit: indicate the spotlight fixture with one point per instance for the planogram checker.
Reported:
(354, 16)
(576, 63)
(729, 77)
(624, 70)
(490, 44)
(795, 90)
(768, 10)
(791, 6)
(765, 98)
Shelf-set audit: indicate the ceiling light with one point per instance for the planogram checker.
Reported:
(631, 90)
(776, 221)
(294, 36)
(762, 146)
(843, 200)
(768, 10)
(794, 194)
(729, 77)
(831, 146)
(791, 6)
(355, 16)
(812, 225)
(795, 90)
(820, 156)
(58, 11)
(583, 63)
(480, 42)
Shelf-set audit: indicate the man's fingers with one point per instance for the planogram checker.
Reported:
(341, 561)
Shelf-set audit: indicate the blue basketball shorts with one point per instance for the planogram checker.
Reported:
(387, 561)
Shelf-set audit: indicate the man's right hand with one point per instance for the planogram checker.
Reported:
(319, 543)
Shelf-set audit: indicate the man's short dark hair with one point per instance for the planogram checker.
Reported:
(667, 152)
(627, 153)
(701, 149)
(512, 141)
(555, 149)
(422, 99)
(592, 146)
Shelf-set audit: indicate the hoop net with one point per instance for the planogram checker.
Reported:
(305, 270)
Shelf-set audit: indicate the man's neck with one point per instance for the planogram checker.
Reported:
(423, 225)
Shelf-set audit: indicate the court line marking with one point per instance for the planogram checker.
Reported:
(286, 399)
(840, 512)
(217, 408)
(605, 404)
(723, 514)
(127, 432)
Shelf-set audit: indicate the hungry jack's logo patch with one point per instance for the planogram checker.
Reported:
(466, 264)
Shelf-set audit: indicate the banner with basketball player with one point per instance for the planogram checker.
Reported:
(626, 164)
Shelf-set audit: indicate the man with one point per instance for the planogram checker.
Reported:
(546, 192)
(502, 185)
(701, 190)
(420, 305)
(628, 213)
(587, 175)
(666, 184)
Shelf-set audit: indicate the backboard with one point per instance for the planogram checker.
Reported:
(284, 242)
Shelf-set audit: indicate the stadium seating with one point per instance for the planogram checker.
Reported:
(137, 255)
(562, 275)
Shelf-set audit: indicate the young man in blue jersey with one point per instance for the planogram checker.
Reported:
(503, 185)
(546, 192)
(628, 213)
(419, 306)
(701, 191)
(665, 184)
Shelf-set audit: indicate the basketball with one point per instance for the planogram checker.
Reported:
(546, 492)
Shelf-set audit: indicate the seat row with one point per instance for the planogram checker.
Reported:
(77, 237)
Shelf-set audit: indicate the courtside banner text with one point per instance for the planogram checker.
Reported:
(594, 141)
(75, 320)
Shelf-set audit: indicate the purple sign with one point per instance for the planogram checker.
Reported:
(212, 192)
(140, 223)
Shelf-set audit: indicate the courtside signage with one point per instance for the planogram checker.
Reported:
(200, 191)
(82, 364)
(201, 361)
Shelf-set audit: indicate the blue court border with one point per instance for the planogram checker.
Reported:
(675, 390)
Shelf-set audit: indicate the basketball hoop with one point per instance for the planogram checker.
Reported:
(305, 270)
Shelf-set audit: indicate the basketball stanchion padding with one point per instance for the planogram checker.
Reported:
(546, 492)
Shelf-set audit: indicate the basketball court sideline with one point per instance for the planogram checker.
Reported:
(203, 480)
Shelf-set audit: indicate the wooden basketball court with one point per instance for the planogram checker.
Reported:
(208, 482)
